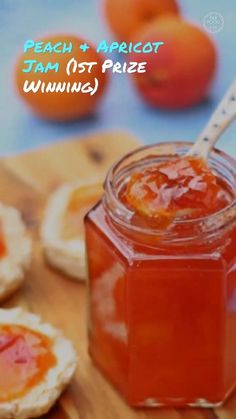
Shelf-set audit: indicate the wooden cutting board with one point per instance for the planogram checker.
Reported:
(25, 182)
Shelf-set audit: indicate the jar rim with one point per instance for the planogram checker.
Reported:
(122, 215)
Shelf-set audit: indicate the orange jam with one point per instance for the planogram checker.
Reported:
(25, 358)
(162, 301)
(82, 199)
(2, 243)
(183, 187)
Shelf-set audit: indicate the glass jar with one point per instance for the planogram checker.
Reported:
(162, 304)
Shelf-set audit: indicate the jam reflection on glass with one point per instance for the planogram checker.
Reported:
(161, 249)
(25, 358)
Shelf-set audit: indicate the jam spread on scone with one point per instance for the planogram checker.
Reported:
(25, 358)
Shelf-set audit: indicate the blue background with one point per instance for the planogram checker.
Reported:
(121, 108)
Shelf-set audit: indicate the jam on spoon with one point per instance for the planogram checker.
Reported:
(184, 186)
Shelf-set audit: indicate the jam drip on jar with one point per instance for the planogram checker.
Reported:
(181, 187)
(25, 358)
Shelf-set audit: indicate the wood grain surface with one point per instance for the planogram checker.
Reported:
(25, 182)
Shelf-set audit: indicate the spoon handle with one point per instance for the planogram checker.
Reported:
(224, 114)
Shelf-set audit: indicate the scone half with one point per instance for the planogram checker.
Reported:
(64, 251)
(40, 397)
(16, 250)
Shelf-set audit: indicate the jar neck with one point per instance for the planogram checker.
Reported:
(181, 232)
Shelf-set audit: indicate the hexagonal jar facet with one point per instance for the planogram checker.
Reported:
(162, 324)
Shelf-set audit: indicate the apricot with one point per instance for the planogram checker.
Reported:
(125, 17)
(181, 72)
(60, 106)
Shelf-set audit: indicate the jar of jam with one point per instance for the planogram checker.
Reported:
(162, 298)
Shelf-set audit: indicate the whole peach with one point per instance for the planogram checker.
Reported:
(180, 73)
(127, 16)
